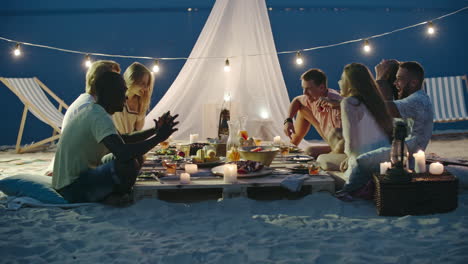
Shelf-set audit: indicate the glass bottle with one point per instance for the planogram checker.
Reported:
(233, 144)
(242, 127)
(223, 127)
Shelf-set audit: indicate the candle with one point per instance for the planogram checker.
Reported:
(191, 168)
(193, 138)
(419, 162)
(184, 178)
(384, 166)
(230, 173)
(436, 168)
(277, 140)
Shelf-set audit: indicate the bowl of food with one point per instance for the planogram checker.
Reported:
(263, 154)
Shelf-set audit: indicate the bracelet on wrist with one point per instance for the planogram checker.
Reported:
(287, 120)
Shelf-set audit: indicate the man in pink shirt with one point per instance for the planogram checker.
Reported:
(319, 107)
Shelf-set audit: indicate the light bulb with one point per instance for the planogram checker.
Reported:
(227, 67)
(17, 50)
(88, 61)
(430, 28)
(366, 47)
(264, 114)
(156, 66)
(227, 97)
(299, 59)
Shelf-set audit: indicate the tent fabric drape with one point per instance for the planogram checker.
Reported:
(235, 29)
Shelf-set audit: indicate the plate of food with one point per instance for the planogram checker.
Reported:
(301, 168)
(246, 169)
(300, 158)
(294, 149)
(207, 159)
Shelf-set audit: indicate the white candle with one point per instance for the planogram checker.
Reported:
(419, 162)
(193, 138)
(384, 166)
(436, 168)
(277, 140)
(191, 168)
(184, 178)
(230, 173)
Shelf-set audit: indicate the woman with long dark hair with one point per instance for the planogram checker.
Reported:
(367, 124)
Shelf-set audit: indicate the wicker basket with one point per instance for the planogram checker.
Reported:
(425, 194)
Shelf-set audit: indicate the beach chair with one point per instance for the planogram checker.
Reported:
(448, 98)
(31, 92)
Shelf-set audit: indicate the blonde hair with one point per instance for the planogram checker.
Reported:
(97, 68)
(360, 84)
(132, 76)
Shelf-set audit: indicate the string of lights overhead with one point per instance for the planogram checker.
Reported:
(366, 47)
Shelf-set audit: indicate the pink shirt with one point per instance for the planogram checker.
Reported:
(328, 118)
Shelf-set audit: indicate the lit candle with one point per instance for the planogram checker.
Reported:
(277, 140)
(191, 168)
(436, 168)
(193, 138)
(184, 178)
(419, 162)
(230, 173)
(384, 166)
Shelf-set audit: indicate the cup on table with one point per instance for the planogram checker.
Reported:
(164, 144)
(258, 141)
(284, 150)
(170, 165)
(314, 168)
(185, 148)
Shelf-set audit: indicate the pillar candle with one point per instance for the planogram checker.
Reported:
(419, 162)
(191, 168)
(184, 178)
(277, 140)
(230, 173)
(436, 168)
(384, 166)
(193, 138)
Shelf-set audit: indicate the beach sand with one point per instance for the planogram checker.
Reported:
(315, 229)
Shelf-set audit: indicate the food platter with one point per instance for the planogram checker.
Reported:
(300, 158)
(219, 170)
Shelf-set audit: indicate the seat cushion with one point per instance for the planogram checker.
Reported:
(38, 187)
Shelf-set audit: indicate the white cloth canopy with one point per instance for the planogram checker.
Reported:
(235, 29)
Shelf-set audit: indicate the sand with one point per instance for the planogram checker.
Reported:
(315, 229)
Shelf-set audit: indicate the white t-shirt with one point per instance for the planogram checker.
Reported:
(80, 147)
(77, 105)
(418, 107)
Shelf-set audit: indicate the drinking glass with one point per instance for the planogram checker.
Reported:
(284, 150)
(314, 168)
(170, 165)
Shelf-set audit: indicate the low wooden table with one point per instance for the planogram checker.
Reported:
(212, 187)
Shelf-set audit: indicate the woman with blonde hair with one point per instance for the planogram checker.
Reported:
(367, 124)
(139, 81)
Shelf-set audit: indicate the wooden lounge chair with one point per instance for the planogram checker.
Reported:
(31, 92)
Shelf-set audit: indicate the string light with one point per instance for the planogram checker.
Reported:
(299, 59)
(227, 67)
(156, 66)
(17, 50)
(366, 47)
(430, 28)
(227, 96)
(264, 114)
(88, 61)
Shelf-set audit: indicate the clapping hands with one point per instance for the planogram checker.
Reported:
(165, 126)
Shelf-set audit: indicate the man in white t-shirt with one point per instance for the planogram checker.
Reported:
(97, 68)
(79, 173)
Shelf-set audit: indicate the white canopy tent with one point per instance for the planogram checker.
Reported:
(239, 30)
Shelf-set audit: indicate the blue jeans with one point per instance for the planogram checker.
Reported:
(93, 185)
